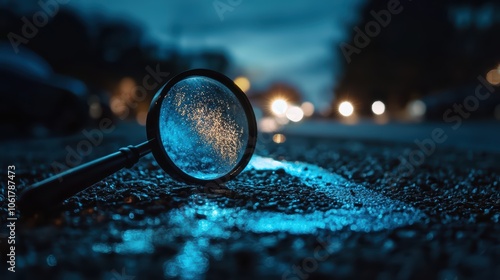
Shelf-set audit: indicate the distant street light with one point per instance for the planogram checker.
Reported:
(243, 83)
(493, 76)
(378, 107)
(279, 107)
(416, 108)
(295, 114)
(346, 109)
(308, 109)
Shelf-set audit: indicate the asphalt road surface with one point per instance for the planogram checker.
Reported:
(309, 208)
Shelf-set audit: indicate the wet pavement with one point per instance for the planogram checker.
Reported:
(309, 208)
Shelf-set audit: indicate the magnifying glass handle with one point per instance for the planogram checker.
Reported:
(54, 190)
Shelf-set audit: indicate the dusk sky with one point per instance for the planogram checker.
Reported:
(267, 40)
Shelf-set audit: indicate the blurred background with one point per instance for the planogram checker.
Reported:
(65, 65)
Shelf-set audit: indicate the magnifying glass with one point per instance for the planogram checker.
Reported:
(200, 127)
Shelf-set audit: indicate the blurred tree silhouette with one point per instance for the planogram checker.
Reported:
(428, 46)
(97, 49)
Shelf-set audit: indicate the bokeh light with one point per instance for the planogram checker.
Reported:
(346, 109)
(125, 89)
(416, 108)
(279, 138)
(95, 108)
(268, 124)
(243, 83)
(141, 117)
(282, 120)
(279, 107)
(118, 107)
(295, 114)
(307, 108)
(378, 107)
(122, 100)
(493, 77)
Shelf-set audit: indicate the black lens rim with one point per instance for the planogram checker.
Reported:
(153, 129)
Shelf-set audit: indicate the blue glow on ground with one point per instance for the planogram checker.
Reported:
(134, 241)
(377, 212)
(194, 227)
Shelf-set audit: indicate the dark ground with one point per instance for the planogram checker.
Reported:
(342, 212)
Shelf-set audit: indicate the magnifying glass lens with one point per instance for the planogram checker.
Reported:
(203, 128)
